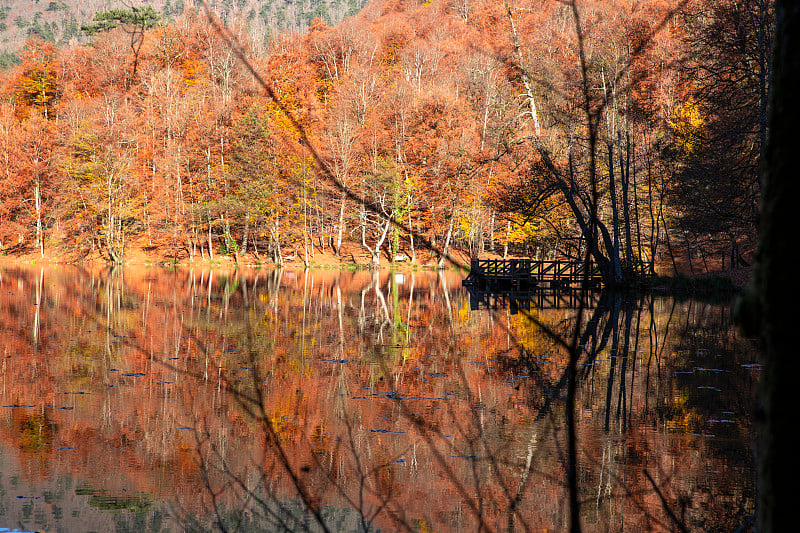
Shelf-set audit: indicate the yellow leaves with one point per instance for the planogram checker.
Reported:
(82, 145)
(686, 125)
(37, 85)
(77, 95)
(288, 107)
(193, 71)
(519, 230)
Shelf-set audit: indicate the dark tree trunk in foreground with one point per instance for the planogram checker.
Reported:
(770, 305)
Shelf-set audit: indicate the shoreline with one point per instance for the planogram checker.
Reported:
(349, 260)
(354, 259)
(681, 283)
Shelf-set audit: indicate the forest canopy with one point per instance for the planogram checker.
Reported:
(632, 129)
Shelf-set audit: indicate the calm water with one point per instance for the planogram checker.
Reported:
(155, 400)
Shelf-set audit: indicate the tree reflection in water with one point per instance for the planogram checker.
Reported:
(323, 400)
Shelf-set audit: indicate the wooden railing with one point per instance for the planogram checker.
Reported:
(519, 272)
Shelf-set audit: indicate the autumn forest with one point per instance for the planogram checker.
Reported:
(412, 131)
(407, 137)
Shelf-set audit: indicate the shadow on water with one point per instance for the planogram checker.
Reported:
(361, 401)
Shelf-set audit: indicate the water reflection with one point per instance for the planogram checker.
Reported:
(523, 300)
(146, 399)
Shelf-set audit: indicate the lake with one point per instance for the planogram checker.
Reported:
(148, 399)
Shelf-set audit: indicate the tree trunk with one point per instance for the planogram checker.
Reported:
(636, 216)
(210, 242)
(624, 171)
(375, 253)
(567, 188)
(614, 252)
(669, 244)
(411, 236)
(655, 227)
(39, 234)
(246, 232)
(305, 226)
(446, 246)
(508, 236)
(338, 251)
(767, 305)
(276, 243)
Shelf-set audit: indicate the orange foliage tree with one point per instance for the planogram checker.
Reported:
(420, 119)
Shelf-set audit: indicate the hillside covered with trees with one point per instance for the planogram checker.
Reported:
(635, 129)
(60, 21)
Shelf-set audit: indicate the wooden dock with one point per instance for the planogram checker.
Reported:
(521, 274)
